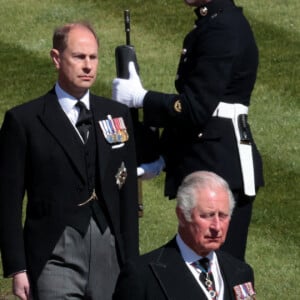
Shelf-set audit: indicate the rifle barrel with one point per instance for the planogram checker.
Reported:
(127, 25)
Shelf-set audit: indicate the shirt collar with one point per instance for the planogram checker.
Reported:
(67, 101)
(189, 255)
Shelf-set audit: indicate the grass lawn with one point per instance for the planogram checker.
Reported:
(158, 28)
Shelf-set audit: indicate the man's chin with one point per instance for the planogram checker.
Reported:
(86, 84)
(215, 243)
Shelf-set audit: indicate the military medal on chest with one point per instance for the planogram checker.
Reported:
(114, 130)
(244, 291)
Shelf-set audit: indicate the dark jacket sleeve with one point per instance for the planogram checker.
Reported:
(129, 199)
(12, 168)
(130, 284)
(219, 64)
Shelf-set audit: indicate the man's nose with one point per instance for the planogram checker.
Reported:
(215, 223)
(87, 64)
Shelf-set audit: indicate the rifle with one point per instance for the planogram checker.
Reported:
(125, 53)
(146, 139)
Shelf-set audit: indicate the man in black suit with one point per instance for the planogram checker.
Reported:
(190, 266)
(205, 124)
(73, 154)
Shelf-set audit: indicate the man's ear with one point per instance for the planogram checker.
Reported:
(54, 53)
(180, 217)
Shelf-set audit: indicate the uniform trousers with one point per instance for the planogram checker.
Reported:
(236, 240)
(80, 267)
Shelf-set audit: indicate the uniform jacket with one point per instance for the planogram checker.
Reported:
(42, 155)
(162, 274)
(218, 63)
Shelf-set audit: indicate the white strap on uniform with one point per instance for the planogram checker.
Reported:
(232, 111)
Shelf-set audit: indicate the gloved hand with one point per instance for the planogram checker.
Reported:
(151, 170)
(129, 91)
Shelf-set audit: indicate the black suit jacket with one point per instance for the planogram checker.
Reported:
(42, 155)
(218, 63)
(162, 274)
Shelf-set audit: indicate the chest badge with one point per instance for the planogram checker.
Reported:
(203, 11)
(121, 175)
(177, 106)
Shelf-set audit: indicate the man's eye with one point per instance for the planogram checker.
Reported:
(79, 56)
(223, 215)
(207, 216)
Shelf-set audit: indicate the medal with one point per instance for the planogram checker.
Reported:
(244, 291)
(208, 283)
(114, 130)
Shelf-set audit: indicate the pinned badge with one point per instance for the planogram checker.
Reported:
(121, 175)
(114, 130)
(177, 106)
(244, 291)
(203, 11)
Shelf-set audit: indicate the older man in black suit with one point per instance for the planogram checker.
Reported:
(73, 154)
(190, 266)
(205, 124)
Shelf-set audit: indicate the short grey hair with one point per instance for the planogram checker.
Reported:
(191, 184)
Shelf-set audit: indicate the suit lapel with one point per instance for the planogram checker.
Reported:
(58, 124)
(173, 275)
(54, 118)
(225, 270)
(103, 148)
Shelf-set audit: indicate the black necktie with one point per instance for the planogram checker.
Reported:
(84, 121)
(206, 277)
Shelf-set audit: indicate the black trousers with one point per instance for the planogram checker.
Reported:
(236, 240)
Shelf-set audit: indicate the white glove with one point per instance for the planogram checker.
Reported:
(129, 91)
(151, 170)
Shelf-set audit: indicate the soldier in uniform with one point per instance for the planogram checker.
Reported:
(205, 123)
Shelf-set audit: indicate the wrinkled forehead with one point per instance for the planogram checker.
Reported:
(216, 199)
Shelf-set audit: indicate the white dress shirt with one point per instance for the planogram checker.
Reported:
(189, 257)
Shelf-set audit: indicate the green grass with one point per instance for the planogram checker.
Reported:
(158, 27)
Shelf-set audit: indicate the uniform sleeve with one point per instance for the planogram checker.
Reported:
(204, 72)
